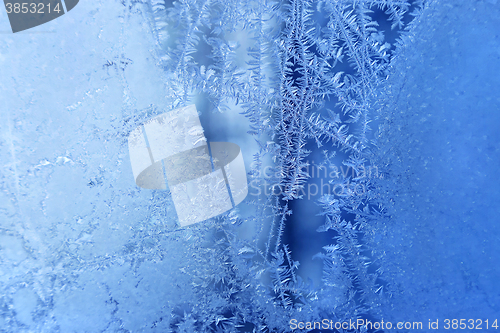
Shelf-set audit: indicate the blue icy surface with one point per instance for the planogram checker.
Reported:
(82, 249)
(443, 144)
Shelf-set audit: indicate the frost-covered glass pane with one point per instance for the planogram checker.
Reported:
(250, 166)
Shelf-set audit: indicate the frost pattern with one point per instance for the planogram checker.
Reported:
(310, 75)
(351, 81)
